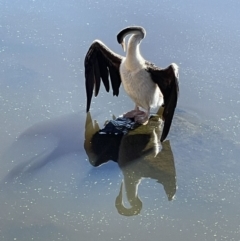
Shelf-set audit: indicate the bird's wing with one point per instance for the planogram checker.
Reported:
(167, 80)
(100, 62)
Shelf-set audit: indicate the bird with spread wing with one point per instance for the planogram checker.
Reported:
(146, 84)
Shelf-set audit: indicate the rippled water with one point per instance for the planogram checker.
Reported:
(51, 184)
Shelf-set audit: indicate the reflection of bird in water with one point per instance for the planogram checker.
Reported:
(138, 156)
(146, 84)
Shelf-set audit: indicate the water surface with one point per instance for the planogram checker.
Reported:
(187, 189)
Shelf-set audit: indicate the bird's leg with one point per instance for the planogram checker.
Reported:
(142, 118)
(133, 113)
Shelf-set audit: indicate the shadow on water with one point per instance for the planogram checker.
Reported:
(138, 155)
(43, 143)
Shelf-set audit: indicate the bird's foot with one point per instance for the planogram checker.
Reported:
(139, 116)
(133, 113)
(142, 118)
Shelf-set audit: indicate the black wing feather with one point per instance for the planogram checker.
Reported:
(115, 80)
(104, 73)
(100, 62)
(97, 79)
(89, 83)
(167, 80)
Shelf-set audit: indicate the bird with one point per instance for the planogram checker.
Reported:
(148, 85)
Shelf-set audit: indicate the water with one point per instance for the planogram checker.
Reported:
(188, 189)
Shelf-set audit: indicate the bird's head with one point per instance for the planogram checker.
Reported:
(137, 30)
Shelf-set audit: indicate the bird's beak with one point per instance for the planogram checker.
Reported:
(123, 45)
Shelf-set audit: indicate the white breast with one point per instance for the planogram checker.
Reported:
(140, 87)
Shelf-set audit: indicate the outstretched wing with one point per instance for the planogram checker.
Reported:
(167, 80)
(100, 62)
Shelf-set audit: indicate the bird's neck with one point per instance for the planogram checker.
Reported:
(134, 59)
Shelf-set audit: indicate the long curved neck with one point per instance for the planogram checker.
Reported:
(133, 57)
